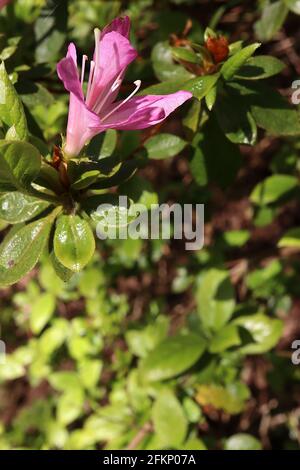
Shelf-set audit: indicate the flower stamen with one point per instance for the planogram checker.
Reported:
(84, 59)
(91, 77)
(138, 84)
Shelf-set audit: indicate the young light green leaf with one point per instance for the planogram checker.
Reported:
(235, 62)
(11, 109)
(74, 242)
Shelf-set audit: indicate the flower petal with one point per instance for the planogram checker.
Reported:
(145, 111)
(68, 72)
(81, 126)
(119, 25)
(115, 53)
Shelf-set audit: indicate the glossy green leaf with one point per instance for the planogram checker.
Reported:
(260, 67)
(20, 164)
(215, 298)
(242, 441)
(163, 146)
(170, 423)
(273, 188)
(172, 357)
(20, 252)
(74, 242)
(11, 109)
(265, 332)
(16, 207)
(235, 62)
(201, 86)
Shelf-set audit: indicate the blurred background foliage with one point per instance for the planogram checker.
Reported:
(154, 347)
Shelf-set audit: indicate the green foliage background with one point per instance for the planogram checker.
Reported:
(151, 346)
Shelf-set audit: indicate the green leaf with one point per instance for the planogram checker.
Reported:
(187, 55)
(260, 67)
(11, 109)
(20, 164)
(270, 110)
(235, 118)
(103, 145)
(231, 398)
(215, 298)
(293, 5)
(290, 239)
(20, 252)
(50, 30)
(273, 17)
(201, 86)
(207, 158)
(273, 188)
(164, 66)
(74, 242)
(163, 146)
(41, 312)
(170, 423)
(242, 441)
(62, 272)
(172, 357)
(86, 179)
(235, 62)
(265, 332)
(226, 338)
(16, 207)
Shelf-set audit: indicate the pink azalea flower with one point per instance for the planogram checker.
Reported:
(98, 110)
(3, 3)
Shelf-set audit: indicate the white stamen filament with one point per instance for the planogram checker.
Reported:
(101, 101)
(97, 33)
(138, 86)
(84, 59)
(91, 76)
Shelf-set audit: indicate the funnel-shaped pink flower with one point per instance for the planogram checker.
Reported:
(97, 110)
(3, 3)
